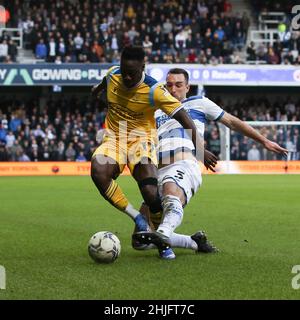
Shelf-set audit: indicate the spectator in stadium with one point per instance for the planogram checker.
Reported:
(62, 49)
(253, 153)
(227, 6)
(22, 157)
(39, 133)
(81, 157)
(235, 150)
(251, 52)
(3, 134)
(147, 45)
(245, 24)
(61, 151)
(272, 57)
(3, 152)
(107, 165)
(238, 35)
(10, 139)
(15, 150)
(214, 142)
(14, 123)
(243, 148)
(180, 177)
(3, 121)
(12, 50)
(52, 50)
(3, 50)
(70, 152)
(41, 50)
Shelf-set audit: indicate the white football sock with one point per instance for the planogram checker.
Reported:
(176, 241)
(172, 215)
(133, 213)
(182, 241)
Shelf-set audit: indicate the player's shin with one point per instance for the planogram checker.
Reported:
(182, 241)
(116, 197)
(155, 219)
(172, 215)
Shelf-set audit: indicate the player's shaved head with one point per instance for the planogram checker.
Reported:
(132, 65)
(133, 53)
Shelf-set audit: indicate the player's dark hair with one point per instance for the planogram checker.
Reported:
(133, 53)
(180, 71)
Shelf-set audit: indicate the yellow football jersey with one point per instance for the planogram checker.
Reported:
(131, 111)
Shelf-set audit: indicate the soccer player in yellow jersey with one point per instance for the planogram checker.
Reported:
(130, 137)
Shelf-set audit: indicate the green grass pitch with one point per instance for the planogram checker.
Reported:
(46, 222)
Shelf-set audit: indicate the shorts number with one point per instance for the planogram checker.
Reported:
(179, 174)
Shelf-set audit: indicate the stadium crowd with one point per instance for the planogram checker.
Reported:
(203, 31)
(59, 133)
(96, 31)
(259, 109)
(200, 31)
(31, 135)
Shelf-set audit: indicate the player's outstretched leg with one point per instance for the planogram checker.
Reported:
(172, 215)
(144, 210)
(147, 238)
(103, 173)
(145, 175)
(202, 243)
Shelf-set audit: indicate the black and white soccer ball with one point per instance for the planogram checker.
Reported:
(104, 247)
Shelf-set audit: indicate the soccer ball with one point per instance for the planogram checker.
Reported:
(104, 247)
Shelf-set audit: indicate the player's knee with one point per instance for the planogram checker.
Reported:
(171, 188)
(149, 191)
(153, 200)
(95, 170)
(99, 176)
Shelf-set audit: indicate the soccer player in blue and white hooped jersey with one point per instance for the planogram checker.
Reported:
(179, 172)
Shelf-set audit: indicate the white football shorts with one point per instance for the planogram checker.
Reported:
(185, 173)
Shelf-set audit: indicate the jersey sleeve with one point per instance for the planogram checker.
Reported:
(111, 70)
(212, 110)
(160, 98)
(106, 78)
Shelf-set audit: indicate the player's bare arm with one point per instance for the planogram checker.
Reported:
(210, 160)
(97, 89)
(238, 125)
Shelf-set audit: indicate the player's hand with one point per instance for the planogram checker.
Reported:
(94, 91)
(274, 147)
(210, 160)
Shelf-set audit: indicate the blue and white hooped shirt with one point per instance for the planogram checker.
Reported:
(172, 136)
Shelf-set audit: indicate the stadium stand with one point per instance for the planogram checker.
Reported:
(208, 32)
(203, 32)
(26, 134)
(274, 41)
(259, 109)
(59, 132)
(96, 31)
